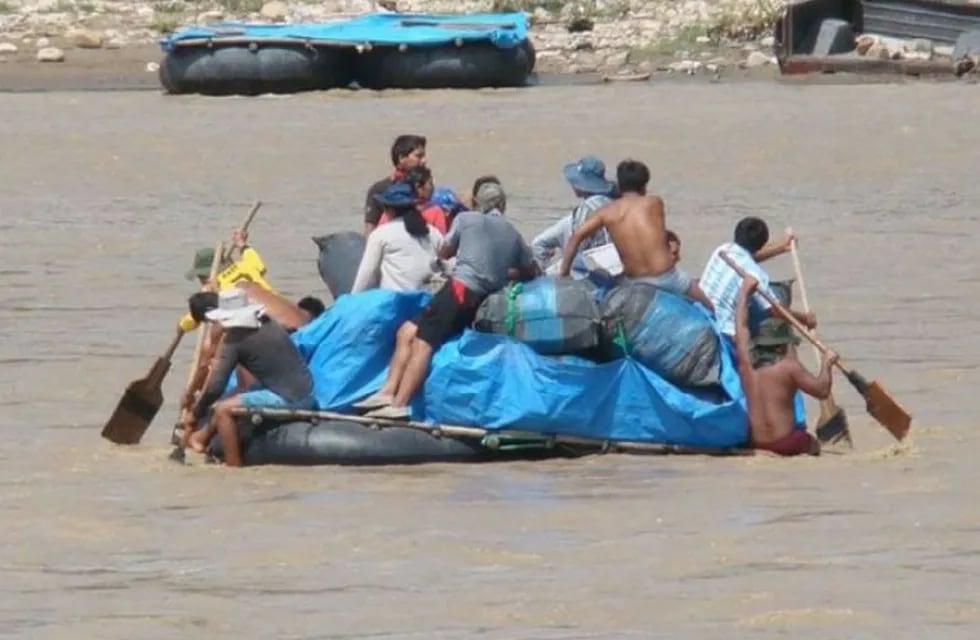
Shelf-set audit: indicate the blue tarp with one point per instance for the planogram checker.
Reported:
(504, 30)
(495, 382)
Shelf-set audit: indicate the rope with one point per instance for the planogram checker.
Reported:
(514, 289)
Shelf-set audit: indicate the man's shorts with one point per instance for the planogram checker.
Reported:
(674, 280)
(265, 399)
(796, 442)
(450, 311)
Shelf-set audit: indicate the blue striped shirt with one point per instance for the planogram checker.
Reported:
(721, 284)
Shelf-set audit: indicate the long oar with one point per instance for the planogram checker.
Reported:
(219, 252)
(140, 402)
(880, 404)
(221, 257)
(832, 424)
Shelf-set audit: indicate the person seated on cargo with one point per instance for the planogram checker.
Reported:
(246, 337)
(420, 180)
(771, 374)
(467, 197)
(407, 152)
(636, 224)
(721, 283)
(403, 254)
(488, 250)
(587, 177)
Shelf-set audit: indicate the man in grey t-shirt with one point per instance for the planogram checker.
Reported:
(488, 251)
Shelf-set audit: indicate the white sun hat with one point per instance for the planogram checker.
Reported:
(234, 310)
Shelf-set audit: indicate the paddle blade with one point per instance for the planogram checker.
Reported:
(887, 411)
(134, 413)
(832, 427)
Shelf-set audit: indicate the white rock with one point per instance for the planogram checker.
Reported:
(50, 54)
(152, 67)
(85, 38)
(274, 11)
(43, 43)
(878, 51)
(145, 13)
(210, 16)
(540, 15)
(7, 47)
(767, 42)
(756, 59)
(702, 39)
(115, 43)
(618, 59)
(711, 67)
(685, 66)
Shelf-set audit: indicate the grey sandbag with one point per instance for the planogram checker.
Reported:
(553, 316)
(663, 331)
(340, 255)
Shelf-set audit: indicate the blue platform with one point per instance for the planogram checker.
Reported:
(504, 30)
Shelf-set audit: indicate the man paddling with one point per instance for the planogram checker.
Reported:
(246, 337)
(720, 282)
(488, 249)
(771, 375)
(636, 224)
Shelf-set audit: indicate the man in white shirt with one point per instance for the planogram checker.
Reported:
(587, 177)
(721, 283)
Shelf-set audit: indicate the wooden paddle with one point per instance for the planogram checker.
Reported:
(832, 424)
(216, 262)
(223, 256)
(140, 402)
(880, 404)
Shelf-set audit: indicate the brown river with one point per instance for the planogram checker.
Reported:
(105, 196)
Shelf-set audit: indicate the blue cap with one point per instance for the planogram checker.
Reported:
(447, 199)
(588, 175)
(398, 194)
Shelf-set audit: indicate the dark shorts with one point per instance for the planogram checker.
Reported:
(450, 311)
(796, 443)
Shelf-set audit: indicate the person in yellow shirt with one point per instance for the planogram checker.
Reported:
(249, 268)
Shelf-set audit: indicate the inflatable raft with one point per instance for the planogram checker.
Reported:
(377, 51)
(487, 397)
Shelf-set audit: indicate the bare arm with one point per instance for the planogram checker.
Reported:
(220, 374)
(591, 225)
(283, 311)
(743, 351)
(818, 385)
(694, 291)
(776, 248)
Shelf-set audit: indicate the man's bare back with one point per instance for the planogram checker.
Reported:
(637, 228)
(770, 388)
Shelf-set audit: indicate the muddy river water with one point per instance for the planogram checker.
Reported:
(106, 195)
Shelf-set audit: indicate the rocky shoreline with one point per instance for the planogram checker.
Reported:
(613, 37)
(105, 39)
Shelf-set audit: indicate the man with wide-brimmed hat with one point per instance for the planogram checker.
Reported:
(246, 337)
(771, 376)
(587, 178)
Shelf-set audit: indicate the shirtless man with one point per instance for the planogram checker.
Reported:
(771, 375)
(636, 224)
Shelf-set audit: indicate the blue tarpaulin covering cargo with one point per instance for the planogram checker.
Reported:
(505, 30)
(496, 383)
